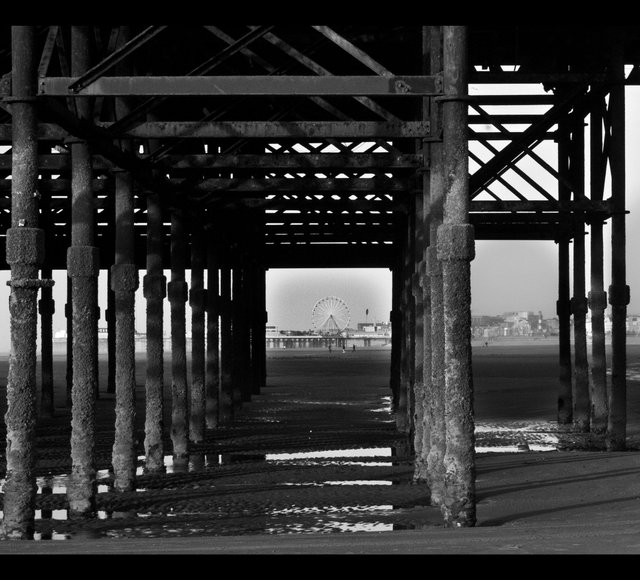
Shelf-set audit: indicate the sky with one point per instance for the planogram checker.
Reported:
(505, 275)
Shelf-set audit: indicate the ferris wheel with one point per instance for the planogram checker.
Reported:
(330, 316)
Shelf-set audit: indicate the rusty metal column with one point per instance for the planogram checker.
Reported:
(155, 290)
(253, 301)
(455, 242)
(83, 270)
(237, 335)
(435, 392)
(108, 253)
(597, 296)
(110, 317)
(581, 404)
(124, 282)
(212, 378)
(178, 295)
(69, 323)
(46, 309)
(411, 327)
(418, 341)
(258, 322)
(563, 305)
(618, 290)
(197, 299)
(263, 328)
(226, 353)
(423, 297)
(403, 404)
(395, 317)
(24, 254)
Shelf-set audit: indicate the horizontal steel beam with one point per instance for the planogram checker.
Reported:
(329, 256)
(285, 161)
(279, 204)
(298, 162)
(303, 185)
(511, 77)
(540, 206)
(278, 130)
(251, 85)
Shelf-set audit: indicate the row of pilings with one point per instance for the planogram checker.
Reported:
(227, 318)
(431, 378)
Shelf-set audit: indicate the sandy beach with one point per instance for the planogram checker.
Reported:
(313, 465)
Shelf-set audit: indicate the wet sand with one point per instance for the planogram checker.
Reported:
(242, 496)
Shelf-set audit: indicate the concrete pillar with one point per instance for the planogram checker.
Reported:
(124, 282)
(178, 294)
(435, 389)
(197, 301)
(24, 254)
(619, 292)
(597, 296)
(226, 348)
(581, 404)
(83, 269)
(455, 243)
(155, 290)
(563, 306)
(212, 387)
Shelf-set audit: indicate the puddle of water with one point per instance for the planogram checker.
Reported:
(374, 452)
(332, 527)
(329, 482)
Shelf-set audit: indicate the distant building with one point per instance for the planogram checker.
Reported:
(633, 324)
(272, 330)
(518, 323)
(377, 328)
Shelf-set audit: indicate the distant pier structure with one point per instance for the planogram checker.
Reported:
(216, 152)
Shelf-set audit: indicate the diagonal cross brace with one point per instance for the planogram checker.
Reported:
(502, 160)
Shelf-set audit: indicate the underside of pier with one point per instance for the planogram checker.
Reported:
(216, 153)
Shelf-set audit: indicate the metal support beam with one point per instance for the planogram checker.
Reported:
(124, 282)
(25, 249)
(197, 301)
(435, 392)
(619, 292)
(579, 308)
(226, 348)
(597, 296)
(178, 295)
(83, 269)
(455, 242)
(276, 130)
(422, 296)
(155, 290)
(114, 58)
(212, 377)
(253, 85)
